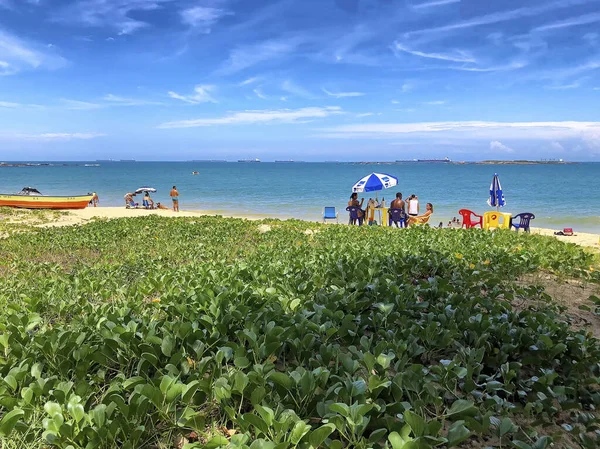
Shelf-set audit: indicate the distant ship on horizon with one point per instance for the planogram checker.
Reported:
(445, 160)
(249, 160)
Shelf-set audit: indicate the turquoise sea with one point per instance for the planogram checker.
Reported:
(559, 195)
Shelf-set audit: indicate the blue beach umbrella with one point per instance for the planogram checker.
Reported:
(496, 198)
(375, 181)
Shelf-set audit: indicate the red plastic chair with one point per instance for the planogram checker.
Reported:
(468, 222)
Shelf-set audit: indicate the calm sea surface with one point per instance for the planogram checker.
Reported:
(559, 195)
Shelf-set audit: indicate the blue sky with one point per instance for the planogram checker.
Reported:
(307, 80)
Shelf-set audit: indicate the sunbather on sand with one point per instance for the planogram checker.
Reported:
(420, 219)
(160, 206)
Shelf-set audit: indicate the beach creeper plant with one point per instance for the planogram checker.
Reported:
(223, 333)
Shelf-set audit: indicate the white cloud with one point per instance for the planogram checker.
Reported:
(251, 80)
(290, 87)
(499, 146)
(245, 56)
(573, 21)
(259, 116)
(497, 17)
(12, 105)
(556, 146)
(455, 56)
(434, 3)
(407, 87)
(259, 94)
(116, 100)
(51, 137)
(17, 55)
(202, 17)
(77, 105)
(435, 103)
(573, 85)
(395, 102)
(365, 114)
(202, 94)
(343, 94)
(491, 131)
(114, 14)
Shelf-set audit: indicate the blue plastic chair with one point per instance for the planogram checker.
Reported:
(398, 217)
(354, 217)
(329, 213)
(524, 220)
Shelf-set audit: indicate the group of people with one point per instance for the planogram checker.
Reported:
(148, 202)
(410, 209)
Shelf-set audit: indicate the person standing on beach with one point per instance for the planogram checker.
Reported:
(95, 199)
(413, 205)
(175, 197)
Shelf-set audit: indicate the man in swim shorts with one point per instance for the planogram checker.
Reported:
(175, 197)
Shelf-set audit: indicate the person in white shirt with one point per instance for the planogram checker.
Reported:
(413, 205)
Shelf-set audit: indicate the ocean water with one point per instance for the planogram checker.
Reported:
(559, 195)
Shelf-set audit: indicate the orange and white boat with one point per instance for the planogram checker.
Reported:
(30, 198)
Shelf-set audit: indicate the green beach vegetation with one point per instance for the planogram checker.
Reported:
(211, 332)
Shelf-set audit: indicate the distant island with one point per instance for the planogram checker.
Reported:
(525, 162)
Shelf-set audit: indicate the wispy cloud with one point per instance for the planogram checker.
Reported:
(497, 17)
(291, 87)
(496, 145)
(259, 116)
(434, 3)
(573, 85)
(203, 18)
(202, 94)
(434, 103)
(407, 87)
(51, 137)
(259, 94)
(490, 131)
(12, 105)
(114, 14)
(246, 56)
(343, 94)
(78, 105)
(248, 81)
(124, 101)
(17, 54)
(455, 56)
(571, 22)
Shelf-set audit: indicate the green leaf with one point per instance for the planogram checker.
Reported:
(167, 345)
(282, 379)
(298, 431)
(506, 426)
(241, 362)
(340, 408)
(416, 423)
(521, 444)
(9, 421)
(318, 436)
(457, 434)
(461, 407)
(52, 408)
(216, 442)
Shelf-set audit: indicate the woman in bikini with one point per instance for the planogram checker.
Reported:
(421, 219)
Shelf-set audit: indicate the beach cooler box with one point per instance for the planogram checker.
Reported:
(496, 220)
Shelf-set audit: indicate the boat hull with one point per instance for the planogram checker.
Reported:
(45, 202)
